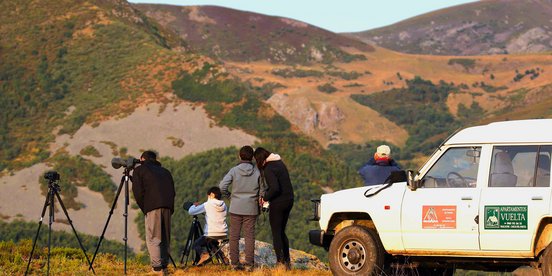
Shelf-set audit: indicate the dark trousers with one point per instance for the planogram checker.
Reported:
(203, 244)
(158, 236)
(247, 224)
(278, 216)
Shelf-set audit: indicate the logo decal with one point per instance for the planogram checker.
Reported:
(506, 217)
(439, 217)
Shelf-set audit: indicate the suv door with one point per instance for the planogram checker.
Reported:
(517, 197)
(441, 213)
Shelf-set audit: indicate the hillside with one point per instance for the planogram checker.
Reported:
(318, 99)
(91, 80)
(479, 28)
(244, 36)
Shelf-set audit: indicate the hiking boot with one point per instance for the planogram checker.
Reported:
(249, 268)
(204, 257)
(237, 267)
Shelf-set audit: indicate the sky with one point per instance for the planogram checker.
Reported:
(334, 15)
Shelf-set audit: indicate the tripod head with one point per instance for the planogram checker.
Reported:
(53, 180)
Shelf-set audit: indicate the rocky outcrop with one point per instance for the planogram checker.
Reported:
(323, 117)
(265, 257)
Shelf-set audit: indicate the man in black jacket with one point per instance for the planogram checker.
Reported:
(153, 189)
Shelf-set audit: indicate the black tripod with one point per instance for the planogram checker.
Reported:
(195, 233)
(124, 182)
(53, 189)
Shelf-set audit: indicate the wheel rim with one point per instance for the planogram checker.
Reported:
(352, 255)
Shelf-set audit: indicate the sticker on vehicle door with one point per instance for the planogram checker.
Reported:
(438, 217)
(506, 217)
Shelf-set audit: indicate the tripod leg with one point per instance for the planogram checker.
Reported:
(126, 177)
(74, 231)
(50, 221)
(189, 243)
(37, 233)
(172, 260)
(107, 222)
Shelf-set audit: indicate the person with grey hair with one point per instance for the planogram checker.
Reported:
(244, 207)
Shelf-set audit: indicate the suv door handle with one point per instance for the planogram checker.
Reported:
(536, 198)
(468, 198)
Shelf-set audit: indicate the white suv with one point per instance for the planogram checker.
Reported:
(482, 201)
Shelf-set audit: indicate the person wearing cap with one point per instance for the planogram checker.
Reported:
(378, 168)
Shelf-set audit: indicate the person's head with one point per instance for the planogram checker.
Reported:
(214, 192)
(148, 155)
(246, 153)
(383, 153)
(261, 155)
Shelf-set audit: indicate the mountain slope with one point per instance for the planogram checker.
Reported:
(244, 36)
(484, 27)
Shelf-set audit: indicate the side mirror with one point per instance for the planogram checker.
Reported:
(413, 184)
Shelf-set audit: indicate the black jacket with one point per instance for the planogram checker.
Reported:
(278, 182)
(153, 187)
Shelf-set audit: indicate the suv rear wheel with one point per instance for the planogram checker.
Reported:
(356, 250)
(545, 261)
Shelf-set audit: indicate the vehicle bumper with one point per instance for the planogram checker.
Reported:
(320, 238)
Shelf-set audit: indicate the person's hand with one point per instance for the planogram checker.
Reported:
(196, 203)
(261, 201)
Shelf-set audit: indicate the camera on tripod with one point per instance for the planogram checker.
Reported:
(51, 176)
(128, 163)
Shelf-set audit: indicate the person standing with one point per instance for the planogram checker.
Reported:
(153, 189)
(378, 168)
(244, 208)
(279, 194)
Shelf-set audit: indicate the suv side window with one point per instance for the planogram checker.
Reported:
(456, 168)
(520, 166)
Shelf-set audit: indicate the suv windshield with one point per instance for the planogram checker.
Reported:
(456, 168)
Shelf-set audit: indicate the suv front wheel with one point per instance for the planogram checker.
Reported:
(356, 250)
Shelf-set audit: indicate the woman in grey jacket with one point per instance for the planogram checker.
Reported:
(244, 207)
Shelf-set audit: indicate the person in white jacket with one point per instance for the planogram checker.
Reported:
(215, 222)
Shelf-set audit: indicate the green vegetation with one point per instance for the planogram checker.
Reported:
(488, 88)
(48, 65)
(327, 88)
(77, 171)
(420, 108)
(191, 87)
(90, 151)
(473, 113)
(297, 73)
(21, 231)
(354, 84)
(467, 63)
(353, 75)
(267, 89)
(533, 73)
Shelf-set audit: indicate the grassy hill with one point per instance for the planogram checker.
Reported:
(69, 65)
(84, 62)
(479, 28)
(244, 36)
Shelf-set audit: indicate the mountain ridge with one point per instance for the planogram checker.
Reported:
(246, 36)
(478, 28)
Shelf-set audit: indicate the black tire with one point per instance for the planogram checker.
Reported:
(356, 250)
(545, 261)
